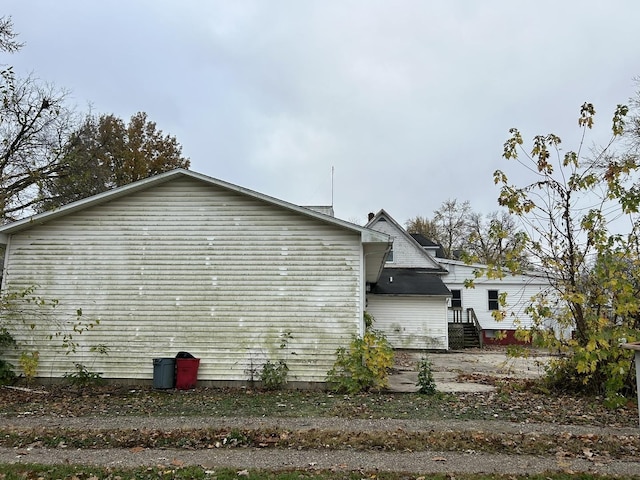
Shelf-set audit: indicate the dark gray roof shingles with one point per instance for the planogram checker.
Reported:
(410, 281)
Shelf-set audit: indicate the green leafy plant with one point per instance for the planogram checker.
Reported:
(285, 337)
(7, 375)
(83, 377)
(274, 375)
(29, 363)
(66, 334)
(364, 366)
(426, 383)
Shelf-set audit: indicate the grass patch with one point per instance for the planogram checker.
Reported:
(510, 403)
(72, 472)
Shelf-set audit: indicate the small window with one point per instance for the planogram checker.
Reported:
(456, 298)
(494, 303)
(390, 255)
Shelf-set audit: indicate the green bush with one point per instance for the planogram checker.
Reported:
(29, 363)
(426, 384)
(83, 377)
(274, 375)
(7, 375)
(364, 366)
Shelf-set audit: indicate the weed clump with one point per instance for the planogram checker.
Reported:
(426, 384)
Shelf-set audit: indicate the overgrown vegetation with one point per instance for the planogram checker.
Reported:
(23, 312)
(83, 377)
(7, 375)
(426, 383)
(365, 365)
(29, 363)
(274, 375)
(579, 211)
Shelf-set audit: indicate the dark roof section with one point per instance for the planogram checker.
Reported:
(410, 281)
(425, 242)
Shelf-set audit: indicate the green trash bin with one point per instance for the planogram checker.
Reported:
(164, 373)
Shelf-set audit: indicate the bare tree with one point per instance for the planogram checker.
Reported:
(452, 223)
(34, 124)
(8, 37)
(423, 226)
(493, 239)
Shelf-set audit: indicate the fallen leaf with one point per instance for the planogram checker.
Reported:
(177, 463)
(438, 459)
(136, 449)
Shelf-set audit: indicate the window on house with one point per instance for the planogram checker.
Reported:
(494, 303)
(456, 298)
(390, 255)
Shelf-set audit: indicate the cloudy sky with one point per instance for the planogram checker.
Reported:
(409, 102)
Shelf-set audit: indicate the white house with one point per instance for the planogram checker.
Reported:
(186, 262)
(420, 300)
(409, 301)
(482, 301)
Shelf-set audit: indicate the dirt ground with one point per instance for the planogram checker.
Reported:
(447, 368)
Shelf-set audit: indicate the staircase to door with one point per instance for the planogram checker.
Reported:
(471, 337)
(465, 332)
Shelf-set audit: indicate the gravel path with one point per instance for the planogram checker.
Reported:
(422, 462)
(416, 462)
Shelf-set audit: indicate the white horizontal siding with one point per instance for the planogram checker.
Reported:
(406, 254)
(411, 322)
(190, 266)
(519, 290)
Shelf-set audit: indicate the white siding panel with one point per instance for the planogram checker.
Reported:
(519, 289)
(190, 266)
(405, 253)
(409, 322)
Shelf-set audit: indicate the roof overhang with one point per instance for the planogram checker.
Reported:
(375, 246)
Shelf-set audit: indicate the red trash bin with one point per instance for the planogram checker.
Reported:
(186, 373)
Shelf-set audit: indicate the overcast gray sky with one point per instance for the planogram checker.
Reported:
(409, 101)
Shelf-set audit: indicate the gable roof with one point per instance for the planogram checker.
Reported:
(376, 244)
(382, 215)
(410, 281)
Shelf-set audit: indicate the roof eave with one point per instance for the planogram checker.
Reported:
(367, 235)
